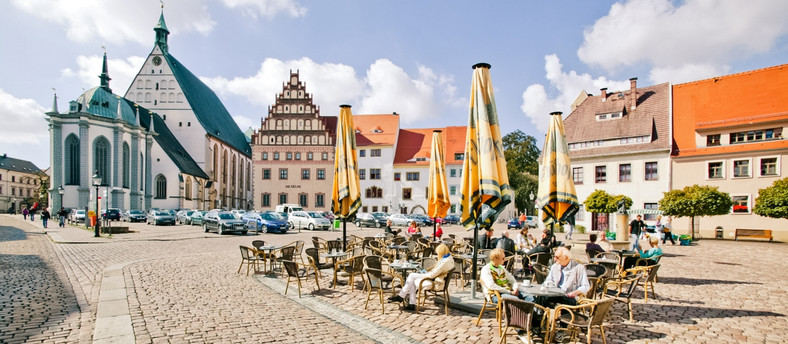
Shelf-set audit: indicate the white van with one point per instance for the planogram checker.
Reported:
(288, 208)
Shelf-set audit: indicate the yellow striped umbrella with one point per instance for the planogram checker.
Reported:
(346, 192)
(556, 197)
(438, 202)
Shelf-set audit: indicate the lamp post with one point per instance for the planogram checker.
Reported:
(96, 183)
(61, 191)
(531, 196)
(13, 204)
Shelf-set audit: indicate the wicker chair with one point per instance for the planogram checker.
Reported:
(250, 258)
(319, 244)
(350, 268)
(294, 272)
(285, 253)
(586, 315)
(334, 245)
(313, 256)
(649, 278)
(493, 298)
(427, 263)
(622, 288)
(438, 287)
(540, 272)
(379, 281)
(597, 276)
(519, 316)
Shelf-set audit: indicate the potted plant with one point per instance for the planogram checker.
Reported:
(684, 240)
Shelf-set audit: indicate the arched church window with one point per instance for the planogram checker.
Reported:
(188, 188)
(101, 154)
(126, 165)
(72, 160)
(161, 187)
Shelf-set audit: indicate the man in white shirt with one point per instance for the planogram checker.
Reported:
(568, 275)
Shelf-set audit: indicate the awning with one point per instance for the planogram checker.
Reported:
(645, 211)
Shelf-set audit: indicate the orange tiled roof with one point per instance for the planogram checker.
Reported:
(738, 100)
(416, 143)
(378, 130)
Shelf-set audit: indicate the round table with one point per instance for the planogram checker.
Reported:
(403, 268)
(538, 290)
(269, 249)
(397, 248)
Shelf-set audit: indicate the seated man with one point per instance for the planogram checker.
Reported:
(495, 277)
(505, 243)
(568, 275)
(592, 247)
(411, 287)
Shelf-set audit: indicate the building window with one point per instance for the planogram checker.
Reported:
(384, 209)
(374, 173)
(769, 167)
(453, 172)
(625, 172)
(374, 192)
(374, 152)
(305, 173)
(320, 200)
(397, 176)
(289, 156)
(577, 175)
(309, 156)
(298, 156)
(362, 174)
(302, 200)
(600, 175)
(276, 156)
(756, 135)
(161, 187)
(741, 168)
(406, 193)
(713, 140)
(265, 156)
(453, 190)
(266, 201)
(126, 165)
(266, 173)
(650, 206)
(324, 156)
(716, 170)
(459, 156)
(652, 172)
(412, 176)
(282, 198)
(321, 173)
(72, 160)
(282, 173)
(741, 204)
(362, 153)
(101, 159)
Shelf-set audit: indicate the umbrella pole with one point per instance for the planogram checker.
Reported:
(475, 254)
(434, 226)
(344, 234)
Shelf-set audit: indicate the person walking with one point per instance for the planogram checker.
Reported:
(667, 229)
(45, 217)
(32, 214)
(24, 213)
(61, 214)
(635, 229)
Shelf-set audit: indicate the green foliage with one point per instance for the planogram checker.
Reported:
(599, 201)
(627, 201)
(696, 200)
(521, 153)
(580, 229)
(524, 184)
(42, 196)
(773, 201)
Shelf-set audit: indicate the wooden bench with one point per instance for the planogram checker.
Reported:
(754, 233)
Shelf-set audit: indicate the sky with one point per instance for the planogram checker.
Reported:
(409, 57)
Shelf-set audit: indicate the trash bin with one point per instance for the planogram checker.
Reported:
(718, 233)
(336, 224)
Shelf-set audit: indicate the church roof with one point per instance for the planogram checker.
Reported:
(169, 143)
(207, 107)
(18, 165)
(99, 102)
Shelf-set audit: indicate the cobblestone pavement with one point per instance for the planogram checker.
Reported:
(182, 286)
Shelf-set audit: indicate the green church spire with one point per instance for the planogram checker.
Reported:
(105, 76)
(161, 32)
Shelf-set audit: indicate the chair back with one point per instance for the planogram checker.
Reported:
(633, 280)
(316, 242)
(427, 263)
(446, 280)
(601, 308)
(287, 252)
(399, 240)
(357, 264)
(357, 251)
(299, 247)
(540, 258)
(373, 262)
(258, 243)
(595, 270)
(608, 255)
(291, 267)
(423, 241)
(374, 277)
(540, 272)
(334, 245)
(449, 241)
(519, 313)
(592, 254)
(508, 262)
(652, 273)
(246, 252)
(411, 246)
(427, 251)
(312, 253)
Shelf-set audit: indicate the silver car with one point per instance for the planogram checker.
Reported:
(160, 217)
(400, 220)
(222, 222)
(308, 219)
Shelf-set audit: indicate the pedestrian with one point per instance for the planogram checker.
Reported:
(45, 217)
(635, 229)
(61, 214)
(569, 232)
(667, 229)
(25, 212)
(32, 214)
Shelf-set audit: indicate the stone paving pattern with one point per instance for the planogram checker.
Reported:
(182, 287)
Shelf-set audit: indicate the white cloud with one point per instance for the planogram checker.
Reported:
(122, 72)
(117, 22)
(385, 89)
(537, 105)
(267, 8)
(244, 122)
(23, 122)
(692, 39)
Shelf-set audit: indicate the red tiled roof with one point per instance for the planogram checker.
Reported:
(366, 125)
(416, 143)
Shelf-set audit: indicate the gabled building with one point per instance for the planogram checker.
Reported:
(730, 133)
(376, 139)
(620, 142)
(203, 126)
(19, 183)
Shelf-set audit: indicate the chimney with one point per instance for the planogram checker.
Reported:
(604, 93)
(633, 92)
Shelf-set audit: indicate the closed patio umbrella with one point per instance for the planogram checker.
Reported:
(438, 202)
(485, 185)
(346, 193)
(556, 196)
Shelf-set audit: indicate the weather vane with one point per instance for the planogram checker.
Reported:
(162, 3)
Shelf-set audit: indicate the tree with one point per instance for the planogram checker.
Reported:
(696, 200)
(600, 201)
(522, 154)
(773, 201)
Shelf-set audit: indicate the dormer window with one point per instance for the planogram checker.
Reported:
(713, 140)
(608, 116)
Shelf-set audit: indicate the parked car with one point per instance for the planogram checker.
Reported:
(77, 216)
(184, 216)
(238, 213)
(196, 218)
(369, 220)
(514, 223)
(327, 214)
(381, 217)
(308, 219)
(222, 222)
(422, 220)
(265, 222)
(112, 214)
(451, 219)
(160, 217)
(400, 220)
(532, 221)
(134, 216)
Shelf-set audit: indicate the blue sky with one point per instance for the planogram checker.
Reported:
(409, 57)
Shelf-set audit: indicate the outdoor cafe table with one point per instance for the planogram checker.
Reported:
(269, 250)
(397, 248)
(612, 265)
(541, 290)
(334, 256)
(404, 267)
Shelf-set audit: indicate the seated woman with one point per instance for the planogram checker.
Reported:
(524, 240)
(413, 229)
(653, 252)
(411, 287)
(592, 246)
(495, 277)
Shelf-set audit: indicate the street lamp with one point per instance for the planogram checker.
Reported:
(531, 196)
(96, 183)
(61, 191)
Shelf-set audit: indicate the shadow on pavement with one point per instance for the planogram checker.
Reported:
(690, 314)
(699, 281)
(11, 234)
